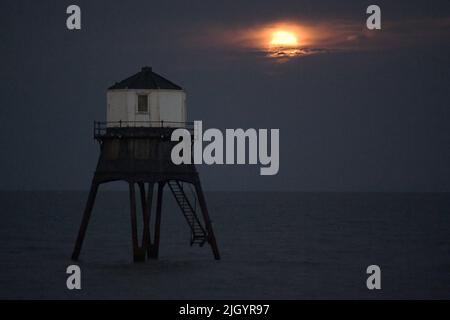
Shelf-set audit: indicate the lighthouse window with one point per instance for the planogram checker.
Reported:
(143, 103)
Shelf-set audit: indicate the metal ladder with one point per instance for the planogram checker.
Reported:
(198, 233)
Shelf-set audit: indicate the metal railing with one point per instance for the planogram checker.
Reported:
(101, 127)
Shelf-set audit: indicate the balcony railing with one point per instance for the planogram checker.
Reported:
(136, 128)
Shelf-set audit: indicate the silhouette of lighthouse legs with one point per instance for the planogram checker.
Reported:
(149, 247)
(146, 204)
(153, 249)
(138, 251)
(84, 223)
(206, 219)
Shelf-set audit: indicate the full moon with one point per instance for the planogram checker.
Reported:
(284, 38)
(279, 40)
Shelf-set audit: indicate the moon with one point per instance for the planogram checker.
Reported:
(281, 38)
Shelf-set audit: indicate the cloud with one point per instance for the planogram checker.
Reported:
(319, 37)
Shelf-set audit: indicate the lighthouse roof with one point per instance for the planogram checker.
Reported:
(145, 79)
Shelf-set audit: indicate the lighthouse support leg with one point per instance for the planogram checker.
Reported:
(146, 207)
(154, 252)
(208, 225)
(147, 237)
(138, 252)
(84, 223)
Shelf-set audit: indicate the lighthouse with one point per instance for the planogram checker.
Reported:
(135, 147)
(146, 99)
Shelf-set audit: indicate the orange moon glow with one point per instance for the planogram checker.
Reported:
(284, 38)
(284, 41)
(280, 40)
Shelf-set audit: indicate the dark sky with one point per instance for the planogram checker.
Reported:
(371, 119)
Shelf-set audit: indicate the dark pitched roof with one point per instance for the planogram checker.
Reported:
(145, 79)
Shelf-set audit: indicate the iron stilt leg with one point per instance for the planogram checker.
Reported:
(84, 223)
(209, 229)
(145, 217)
(138, 253)
(148, 235)
(154, 252)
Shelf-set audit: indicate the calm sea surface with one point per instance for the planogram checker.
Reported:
(273, 246)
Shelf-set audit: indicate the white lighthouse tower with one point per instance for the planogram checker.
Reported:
(146, 99)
